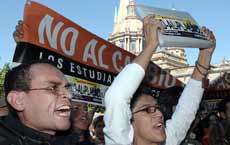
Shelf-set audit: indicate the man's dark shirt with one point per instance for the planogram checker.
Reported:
(13, 132)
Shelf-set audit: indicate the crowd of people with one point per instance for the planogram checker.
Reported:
(40, 110)
(210, 127)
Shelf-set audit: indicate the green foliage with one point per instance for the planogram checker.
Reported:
(3, 71)
(98, 108)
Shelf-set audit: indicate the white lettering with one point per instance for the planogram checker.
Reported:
(79, 70)
(51, 57)
(41, 55)
(64, 35)
(60, 61)
(167, 81)
(160, 83)
(100, 57)
(72, 67)
(116, 55)
(127, 60)
(90, 51)
(46, 23)
(99, 76)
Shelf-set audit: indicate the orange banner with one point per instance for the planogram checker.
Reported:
(48, 29)
(54, 33)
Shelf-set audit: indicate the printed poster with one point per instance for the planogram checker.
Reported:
(88, 61)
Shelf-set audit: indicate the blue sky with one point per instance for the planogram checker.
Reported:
(97, 16)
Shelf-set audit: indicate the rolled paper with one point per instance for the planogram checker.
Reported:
(181, 28)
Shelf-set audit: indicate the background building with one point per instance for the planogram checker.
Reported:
(127, 34)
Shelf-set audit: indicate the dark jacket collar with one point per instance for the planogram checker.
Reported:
(22, 131)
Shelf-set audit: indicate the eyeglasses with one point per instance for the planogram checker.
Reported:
(149, 109)
(57, 89)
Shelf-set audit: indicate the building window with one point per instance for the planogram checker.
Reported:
(143, 44)
(130, 10)
(121, 44)
(133, 46)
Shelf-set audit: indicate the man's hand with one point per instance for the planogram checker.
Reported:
(203, 62)
(151, 27)
(209, 35)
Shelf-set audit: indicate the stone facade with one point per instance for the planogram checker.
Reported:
(127, 34)
(184, 73)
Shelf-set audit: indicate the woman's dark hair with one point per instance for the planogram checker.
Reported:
(97, 120)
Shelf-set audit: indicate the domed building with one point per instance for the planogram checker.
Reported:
(127, 34)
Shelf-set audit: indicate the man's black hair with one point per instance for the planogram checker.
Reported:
(144, 88)
(19, 79)
(169, 98)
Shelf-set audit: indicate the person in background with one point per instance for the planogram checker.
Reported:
(205, 126)
(3, 107)
(167, 101)
(98, 125)
(224, 109)
(132, 115)
(81, 120)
